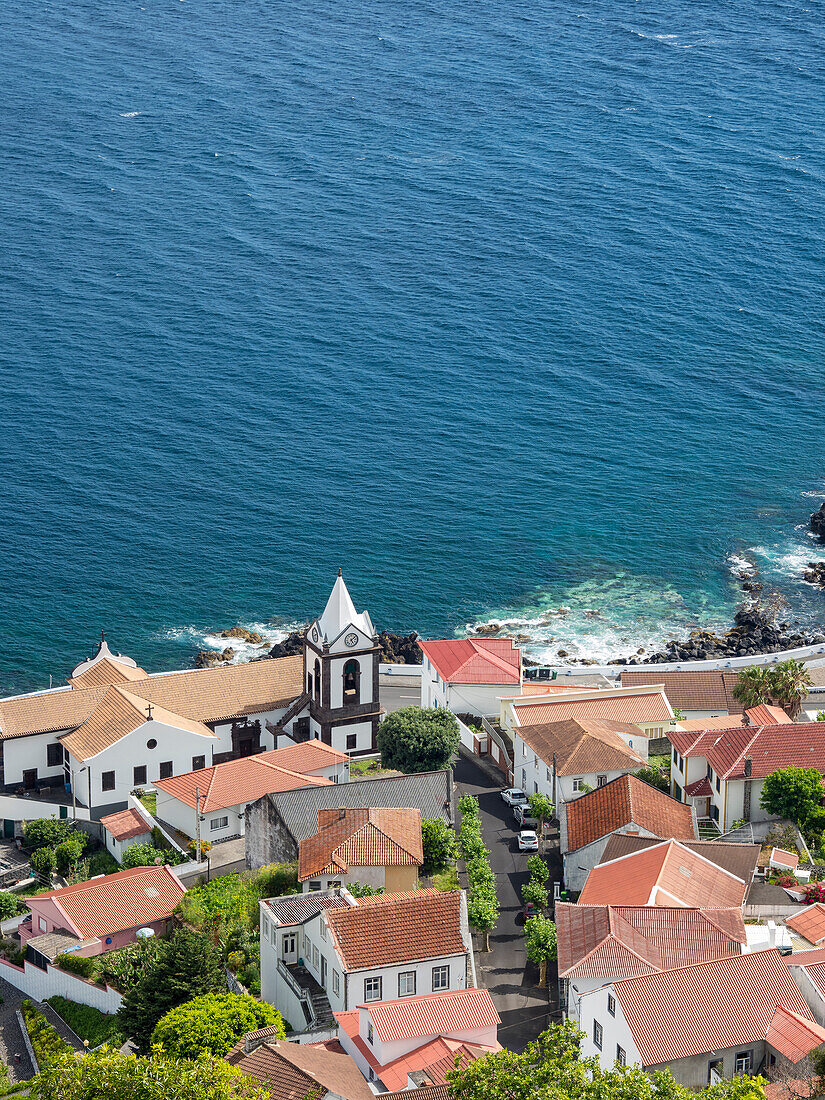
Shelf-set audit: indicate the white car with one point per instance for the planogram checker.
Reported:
(514, 796)
(528, 841)
(524, 816)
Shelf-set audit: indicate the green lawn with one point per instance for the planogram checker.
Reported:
(661, 760)
(366, 766)
(150, 801)
(87, 1022)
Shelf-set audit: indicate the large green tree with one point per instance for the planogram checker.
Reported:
(187, 965)
(440, 848)
(551, 1068)
(782, 685)
(213, 1024)
(415, 739)
(793, 793)
(107, 1073)
(540, 938)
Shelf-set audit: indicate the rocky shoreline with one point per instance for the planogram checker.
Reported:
(397, 649)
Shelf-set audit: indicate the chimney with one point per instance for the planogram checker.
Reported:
(748, 767)
(342, 812)
(771, 933)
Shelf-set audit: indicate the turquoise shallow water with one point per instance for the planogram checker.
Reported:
(500, 307)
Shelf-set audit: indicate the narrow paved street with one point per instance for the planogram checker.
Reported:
(524, 1007)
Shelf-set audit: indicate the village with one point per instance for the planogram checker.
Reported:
(342, 877)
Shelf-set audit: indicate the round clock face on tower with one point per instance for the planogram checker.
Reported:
(351, 640)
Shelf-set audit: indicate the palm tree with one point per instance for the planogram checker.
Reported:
(752, 686)
(783, 685)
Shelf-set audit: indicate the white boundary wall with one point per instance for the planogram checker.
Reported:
(41, 984)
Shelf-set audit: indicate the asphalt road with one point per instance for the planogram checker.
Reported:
(395, 696)
(525, 1008)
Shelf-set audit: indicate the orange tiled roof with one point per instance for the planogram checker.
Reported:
(433, 1014)
(809, 923)
(766, 715)
(798, 744)
(475, 660)
(624, 801)
(628, 708)
(362, 837)
(702, 689)
(584, 745)
(125, 824)
(398, 928)
(794, 1035)
(106, 672)
(708, 1006)
(782, 858)
(126, 899)
(665, 874)
(296, 1071)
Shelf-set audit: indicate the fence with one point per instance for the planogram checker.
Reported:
(40, 984)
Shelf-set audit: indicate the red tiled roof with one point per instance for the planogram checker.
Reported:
(766, 715)
(665, 874)
(475, 660)
(624, 941)
(583, 745)
(708, 1006)
(126, 899)
(814, 970)
(699, 788)
(781, 858)
(296, 1071)
(125, 824)
(433, 1014)
(800, 744)
(624, 801)
(793, 1035)
(244, 780)
(628, 708)
(703, 689)
(398, 928)
(107, 671)
(809, 923)
(362, 837)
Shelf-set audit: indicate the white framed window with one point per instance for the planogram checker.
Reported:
(41, 924)
(218, 823)
(598, 1035)
(744, 1062)
(601, 781)
(621, 1057)
(441, 978)
(611, 1004)
(372, 989)
(336, 982)
(289, 942)
(316, 957)
(306, 945)
(266, 927)
(578, 784)
(406, 984)
(323, 929)
(314, 884)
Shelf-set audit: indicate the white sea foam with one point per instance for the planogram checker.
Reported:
(130, 114)
(740, 565)
(244, 651)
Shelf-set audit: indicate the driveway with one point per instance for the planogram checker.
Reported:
(525, 1008)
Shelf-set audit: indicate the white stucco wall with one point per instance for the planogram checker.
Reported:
(23, 753)
(616, 1033)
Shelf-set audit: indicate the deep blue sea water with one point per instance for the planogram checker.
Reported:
(501, 307)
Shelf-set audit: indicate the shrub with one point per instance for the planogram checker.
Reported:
(236, 960)
(76, 964)
(482, 903)
(814, 891)
(206, 847)
(275, 879)
(212, 1024)
(123, 968)
(363, 890)
(8, 905)
(42, 862)
(440, 848)
(87, 1022)
(67, 853)
(654, 778)
(786, 880)
(48, 832)
(417, 739)
(46, 1043)
(141, 855)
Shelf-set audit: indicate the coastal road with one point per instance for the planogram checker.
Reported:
(396, 691)
(524, 1007)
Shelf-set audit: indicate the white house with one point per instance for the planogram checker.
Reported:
(737, 1015)
(223, 791)
(646, 707)
(565, 759)
(362, 950)
(390, 1041)
(379, 847)
(469, 675)
(123, 829)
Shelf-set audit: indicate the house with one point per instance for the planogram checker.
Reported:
(737, 1015)
(327, 951)
(742, 860)
(667, 874)
(104, 913)
(602, 943)
(807, 968)
(277, 823)
(406, 1042)
(721, 772)
(700, 693)
(564, 759)
(122, 830)
(225, 790)
(469, 675)
(375, 847)
(809, 923)
(295, 1071)
(646, 707)
(625, 805)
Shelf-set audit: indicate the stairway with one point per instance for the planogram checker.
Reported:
(321, 1008)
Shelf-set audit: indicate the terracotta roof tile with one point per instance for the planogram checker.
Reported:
(794, 1035)
(295, 1071)
(362, 837)
(398, 928)
(125, 824)
(703, 689)
(475, 660)
(708, 1006)
(107, 671)
(799, 744)
(62, 709)
(665, 874)
(740, 859)
(809, 923)
(814, 970)
(624, 801)
(126, 899)
(780, 858)
(627, 708)
(584, 745)
(433, 1014)
(765, 715)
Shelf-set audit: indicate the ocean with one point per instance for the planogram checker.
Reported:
(512, 311)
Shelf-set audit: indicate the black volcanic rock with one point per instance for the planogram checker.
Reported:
(815, 573)
(818, 522)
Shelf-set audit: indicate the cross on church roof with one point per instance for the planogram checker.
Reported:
(149, 711)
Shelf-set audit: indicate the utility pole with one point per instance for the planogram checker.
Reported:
(198, 824)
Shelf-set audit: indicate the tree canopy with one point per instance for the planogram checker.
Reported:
(440, 848)
(781, 685)
(108, 1073)
(793, 793)
(213, 1024)
(417, 739)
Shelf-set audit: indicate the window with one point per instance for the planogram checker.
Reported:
(218, 823)
(718, 784)
(601, 781)
(352, 740)
(316, 956)
(41, 924)
(317, 680)
(314, 884)
(266, 926)
(306, 945)
(352, 676)
(108, 781)
(139, 775)
(621, 1057)
(372, 989)
(598, 1034)
(744, 1061)
(333, 884)
(198, 762)
(323, 929)
(441, 978)
(289, 942)
(406, 984)
(336, 982)
(54, 755)
(611, 1004)
(370, 1033)
(166, 769)
(578, 784)
(548, 775)
(151, 743)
